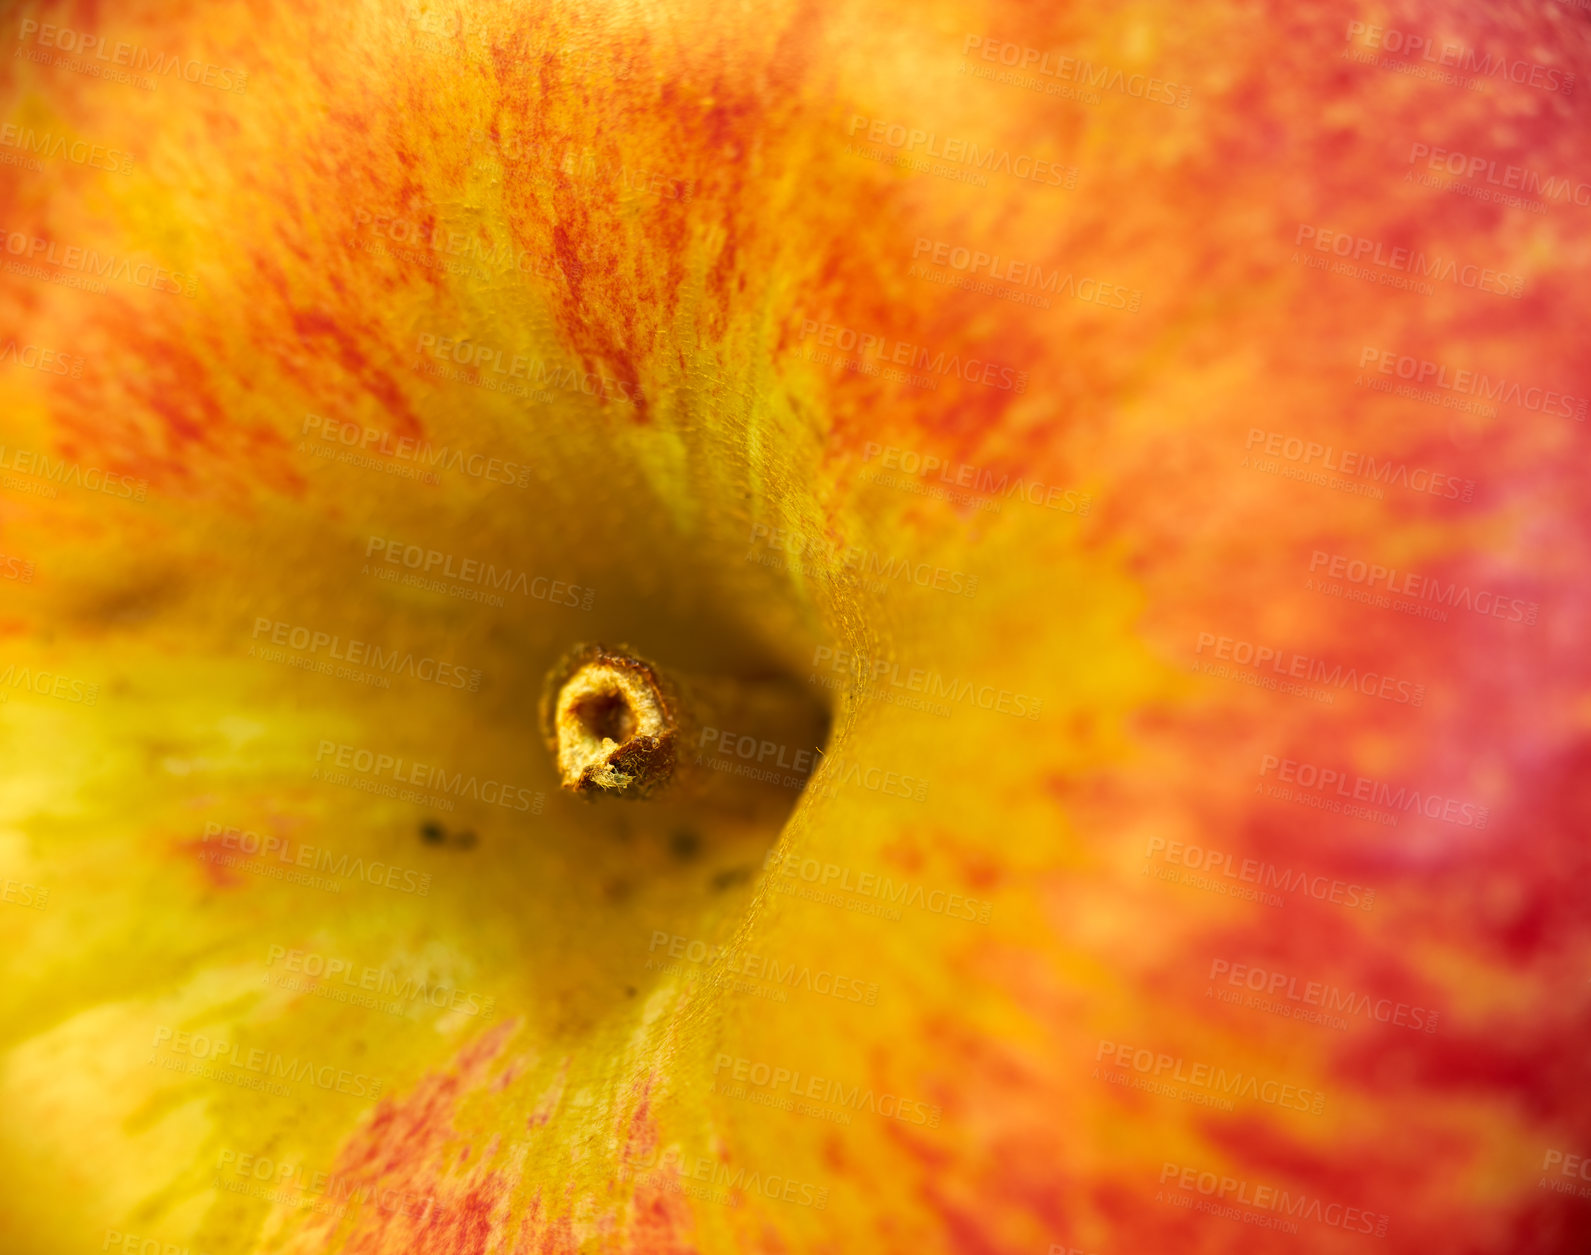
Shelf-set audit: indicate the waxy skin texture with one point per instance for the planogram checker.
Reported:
(1155, 436)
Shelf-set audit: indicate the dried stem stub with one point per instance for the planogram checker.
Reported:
(620, 726)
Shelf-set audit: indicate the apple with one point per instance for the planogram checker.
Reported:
(1152, 435)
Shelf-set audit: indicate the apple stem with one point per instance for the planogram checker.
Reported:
(619, 725)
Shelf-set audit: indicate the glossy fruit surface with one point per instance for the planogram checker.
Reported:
(1155, 432)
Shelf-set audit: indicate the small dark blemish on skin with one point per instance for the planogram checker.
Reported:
(685, 845)
(629, 991)
(730, 876)
(433, 833)
(616, 889)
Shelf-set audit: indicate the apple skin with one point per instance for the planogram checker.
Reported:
(624, 253)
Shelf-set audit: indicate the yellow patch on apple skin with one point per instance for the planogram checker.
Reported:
(618, 303)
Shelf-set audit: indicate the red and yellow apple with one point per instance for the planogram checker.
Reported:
(1156, 436)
